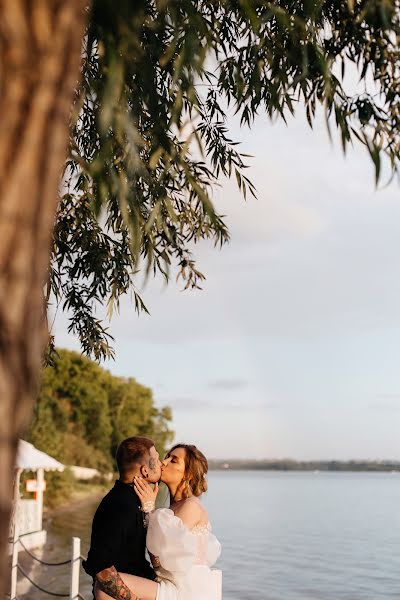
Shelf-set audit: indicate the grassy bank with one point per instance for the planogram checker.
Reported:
(63, 489)
(80, 495)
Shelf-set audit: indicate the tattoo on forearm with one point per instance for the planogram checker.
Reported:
(111, 583)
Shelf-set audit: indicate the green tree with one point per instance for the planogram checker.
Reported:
(83, 412)
(133, 412)
(73, 402)
(161, 433)
(43, 432)
(80, 398)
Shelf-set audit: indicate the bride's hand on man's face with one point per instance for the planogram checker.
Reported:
(146, 493)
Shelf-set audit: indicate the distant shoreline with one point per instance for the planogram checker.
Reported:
(292, 465)
(95, 493)
(92, 492)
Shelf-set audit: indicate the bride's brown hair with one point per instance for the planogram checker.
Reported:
(196, 468)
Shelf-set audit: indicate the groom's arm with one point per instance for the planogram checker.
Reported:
(111, 583)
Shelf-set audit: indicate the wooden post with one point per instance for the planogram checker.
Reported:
(75, 564)
(39, 497)
(15, 536)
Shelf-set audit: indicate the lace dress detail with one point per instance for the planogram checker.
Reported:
(186, 557)
(201, 532)
(201, 529)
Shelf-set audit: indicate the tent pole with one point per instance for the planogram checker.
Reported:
(15, 536)
(39, 497)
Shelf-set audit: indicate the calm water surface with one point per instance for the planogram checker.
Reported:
(285, 536)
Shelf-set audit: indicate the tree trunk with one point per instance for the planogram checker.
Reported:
(40, 50)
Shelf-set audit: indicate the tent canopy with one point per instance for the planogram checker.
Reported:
(32, 459)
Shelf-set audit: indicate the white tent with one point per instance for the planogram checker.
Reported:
(28, 513)
(32, 459)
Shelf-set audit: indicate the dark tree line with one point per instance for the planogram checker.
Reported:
(83, 412)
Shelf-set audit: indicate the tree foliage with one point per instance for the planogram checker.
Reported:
(132, 412)
(83, 412)
(149, 138)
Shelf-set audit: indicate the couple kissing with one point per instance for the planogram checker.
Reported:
(179, 541)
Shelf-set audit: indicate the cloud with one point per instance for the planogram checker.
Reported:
(386, 402)
(384, 407)
(276, 214)
(209, 403)
(228, 384)
(185, 403)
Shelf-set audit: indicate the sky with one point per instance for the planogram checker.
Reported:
(292, 347)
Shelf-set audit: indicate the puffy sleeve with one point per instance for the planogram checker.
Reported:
(170, 540)
(213, 550)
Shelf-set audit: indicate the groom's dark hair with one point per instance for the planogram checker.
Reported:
(133, 451)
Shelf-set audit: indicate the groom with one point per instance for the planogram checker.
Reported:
(118, 541)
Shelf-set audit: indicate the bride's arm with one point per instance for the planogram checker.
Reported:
(146, 493)
(155, 561)
(147, 498)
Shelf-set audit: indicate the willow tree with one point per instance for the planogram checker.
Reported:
(151, 138)
(148, 141)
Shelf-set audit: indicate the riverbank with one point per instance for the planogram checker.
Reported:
(81, 495)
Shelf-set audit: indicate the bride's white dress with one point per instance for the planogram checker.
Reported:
(186, 557)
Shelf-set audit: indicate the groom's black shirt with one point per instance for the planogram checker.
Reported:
(118, 535)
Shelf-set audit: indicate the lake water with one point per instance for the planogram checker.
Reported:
(285, 536)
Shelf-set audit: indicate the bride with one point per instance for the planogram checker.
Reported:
(179, 539)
